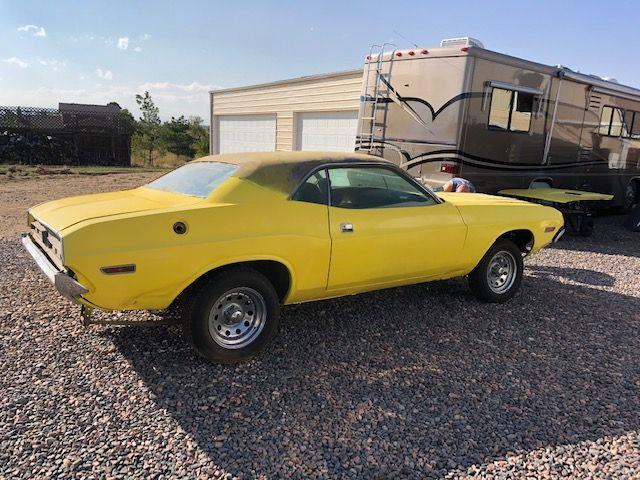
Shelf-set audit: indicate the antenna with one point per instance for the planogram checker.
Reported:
(405, 38)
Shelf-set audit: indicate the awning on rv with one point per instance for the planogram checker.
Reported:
(555, 195)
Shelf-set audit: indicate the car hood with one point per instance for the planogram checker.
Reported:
(478, 199)
(63, 213)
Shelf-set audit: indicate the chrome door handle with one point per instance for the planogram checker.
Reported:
(346, 227)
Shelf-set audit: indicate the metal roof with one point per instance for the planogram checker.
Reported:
(289, 80)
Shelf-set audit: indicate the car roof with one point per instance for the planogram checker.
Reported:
(283, 171)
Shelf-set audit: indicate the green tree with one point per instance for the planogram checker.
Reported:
(200, 135)
(176, 137)
(128, 126)
(147, 136)
(127, 123)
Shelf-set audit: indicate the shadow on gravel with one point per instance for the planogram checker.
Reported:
(580, 275)
(609, 238)
(409, 382)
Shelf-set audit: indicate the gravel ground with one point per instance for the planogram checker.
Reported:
(415, 382)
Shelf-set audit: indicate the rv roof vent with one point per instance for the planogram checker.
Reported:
(610, 79)
(461, 42)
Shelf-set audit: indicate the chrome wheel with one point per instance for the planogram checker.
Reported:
(502, 272)
(237, 317)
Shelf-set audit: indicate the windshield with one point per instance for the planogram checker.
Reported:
(197, 179)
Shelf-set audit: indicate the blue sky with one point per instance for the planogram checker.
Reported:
(99, 51)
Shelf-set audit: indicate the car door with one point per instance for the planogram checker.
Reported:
(386, 229)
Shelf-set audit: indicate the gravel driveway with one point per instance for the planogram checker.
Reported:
(414, 382)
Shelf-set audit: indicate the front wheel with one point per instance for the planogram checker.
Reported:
(498, 276)
(233, 317)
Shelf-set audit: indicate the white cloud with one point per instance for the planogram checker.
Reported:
(17, 62)
(146, 36)
(53, 63)
(193, 87)
(137, 49)
(104, 74)
(123, 43)
(35, 30)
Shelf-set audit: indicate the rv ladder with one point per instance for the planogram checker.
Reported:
(372, 98)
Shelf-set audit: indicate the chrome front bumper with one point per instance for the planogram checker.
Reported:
(67, 286)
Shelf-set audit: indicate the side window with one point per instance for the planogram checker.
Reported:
(616, 123)
(511, 110)
(631, 128)
(628, 123)
(314, 189)
(605, 120)
(611, 121)
(500, 109)
(373, 187)
(635, 127)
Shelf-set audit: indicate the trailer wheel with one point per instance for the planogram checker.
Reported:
(587, 224)
(630, 197)
(498, 276)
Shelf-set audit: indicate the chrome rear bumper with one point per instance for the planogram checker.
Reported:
(67, 286)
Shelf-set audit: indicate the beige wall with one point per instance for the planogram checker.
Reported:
(331, 92)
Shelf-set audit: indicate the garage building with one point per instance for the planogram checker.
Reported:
(318, 112)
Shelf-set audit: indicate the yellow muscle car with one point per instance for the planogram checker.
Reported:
(233, 237)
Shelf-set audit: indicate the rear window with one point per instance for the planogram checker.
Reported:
(197, 179)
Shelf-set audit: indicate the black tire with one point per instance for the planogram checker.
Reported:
(630, 197)
(587, 225)
(248, 287)
(479, 277)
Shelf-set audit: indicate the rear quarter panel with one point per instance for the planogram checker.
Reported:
(266, 228)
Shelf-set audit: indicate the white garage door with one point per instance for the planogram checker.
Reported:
(327, 131)
(246, 133)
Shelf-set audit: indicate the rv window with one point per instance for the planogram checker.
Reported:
(616, 123)
(521, 115)
(605, 120)
(511, 110)
(631, 128)
(611, 122)
(635, 127)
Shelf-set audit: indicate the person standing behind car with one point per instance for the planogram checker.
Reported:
(459, 185)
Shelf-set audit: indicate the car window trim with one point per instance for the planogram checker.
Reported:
(391, 167)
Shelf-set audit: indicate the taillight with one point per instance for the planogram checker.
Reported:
(452, 168)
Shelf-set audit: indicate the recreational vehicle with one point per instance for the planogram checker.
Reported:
(500, 121)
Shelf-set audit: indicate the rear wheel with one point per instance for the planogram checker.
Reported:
(233, 317)
(498, 276)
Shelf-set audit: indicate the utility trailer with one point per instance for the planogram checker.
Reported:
(500, 121)
(577, 207)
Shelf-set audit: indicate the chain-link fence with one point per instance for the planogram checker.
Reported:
(70, 135)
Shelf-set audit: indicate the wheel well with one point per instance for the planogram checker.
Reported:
(277, 273)
(522, 238)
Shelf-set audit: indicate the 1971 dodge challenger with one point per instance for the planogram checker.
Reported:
(233, 237)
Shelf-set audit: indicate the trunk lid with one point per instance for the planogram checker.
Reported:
(63, 213)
